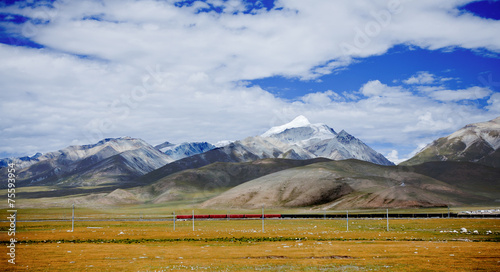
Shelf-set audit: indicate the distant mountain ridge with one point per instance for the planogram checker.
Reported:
(108, 161)
(479, 143)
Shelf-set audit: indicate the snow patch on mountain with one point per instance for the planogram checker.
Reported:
(180, 151)
(145, 160)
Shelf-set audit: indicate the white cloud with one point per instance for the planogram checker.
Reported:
(421, 78)
(302, 40)
(53, 97)
(321, 98)
(494, 103)
(376, 88)
(472, 93)
(394, 157)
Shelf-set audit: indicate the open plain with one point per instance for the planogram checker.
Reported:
(99, 242)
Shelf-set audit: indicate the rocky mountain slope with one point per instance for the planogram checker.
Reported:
(477, 143)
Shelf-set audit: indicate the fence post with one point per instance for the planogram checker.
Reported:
(347, 213)
(174, 220)
(193, 220)
(387, 219)
(73, 218)
(262, 218)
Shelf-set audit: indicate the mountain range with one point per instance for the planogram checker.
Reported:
(125, 160)
(297, 164)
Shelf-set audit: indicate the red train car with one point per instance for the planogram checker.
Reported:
(272, 215)
(253, 215)
(218, 216)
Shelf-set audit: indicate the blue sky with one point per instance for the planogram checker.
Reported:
(395, 73)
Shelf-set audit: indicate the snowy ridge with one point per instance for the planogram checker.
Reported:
(477, 143)
(106, 155)
(101, 150)
(486, 131)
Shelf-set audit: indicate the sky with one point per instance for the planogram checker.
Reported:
(396, 74)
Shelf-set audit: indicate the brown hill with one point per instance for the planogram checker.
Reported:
(345, 184)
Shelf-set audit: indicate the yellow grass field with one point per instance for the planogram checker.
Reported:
(240, 245)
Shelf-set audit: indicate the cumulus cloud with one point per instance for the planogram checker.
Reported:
(157, 71)
(421, 78)
(472, 93)
(376, 88)
(494, 103)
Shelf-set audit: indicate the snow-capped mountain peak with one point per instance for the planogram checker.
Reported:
(299, 121)
(300, 132)
(322, 141)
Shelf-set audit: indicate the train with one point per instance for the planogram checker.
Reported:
(332, 216)
(224, 216)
